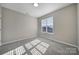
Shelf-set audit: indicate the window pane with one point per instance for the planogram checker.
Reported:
(43, 23)
(50, 24)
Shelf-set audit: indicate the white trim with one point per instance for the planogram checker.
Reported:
(14, 41)
(46, 25)
(63, 42)
(11, 41)
(48, 33)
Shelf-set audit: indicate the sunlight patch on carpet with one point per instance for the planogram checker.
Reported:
(20, 50)
(41, 48)
(44, 44)
(28, 46)
(35, 42)
(9, 53)
(35, 52)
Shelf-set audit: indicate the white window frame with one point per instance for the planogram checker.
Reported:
(46, 25)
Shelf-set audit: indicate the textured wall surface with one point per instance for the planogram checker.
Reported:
(17, 26)
(65, 25)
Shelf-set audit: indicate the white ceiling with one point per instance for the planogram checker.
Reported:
(42, 9)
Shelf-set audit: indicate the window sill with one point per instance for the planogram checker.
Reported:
(48, 33)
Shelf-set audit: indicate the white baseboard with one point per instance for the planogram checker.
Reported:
(16, 41)
(63, 43)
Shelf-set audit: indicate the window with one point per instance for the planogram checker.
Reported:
(47, 25)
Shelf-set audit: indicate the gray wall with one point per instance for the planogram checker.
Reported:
(78, 23)
(17, 26)
(65, 25)
(0, 24)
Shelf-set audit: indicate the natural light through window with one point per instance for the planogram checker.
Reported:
(47, 25)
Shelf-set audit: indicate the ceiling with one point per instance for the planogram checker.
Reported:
(42, 9)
